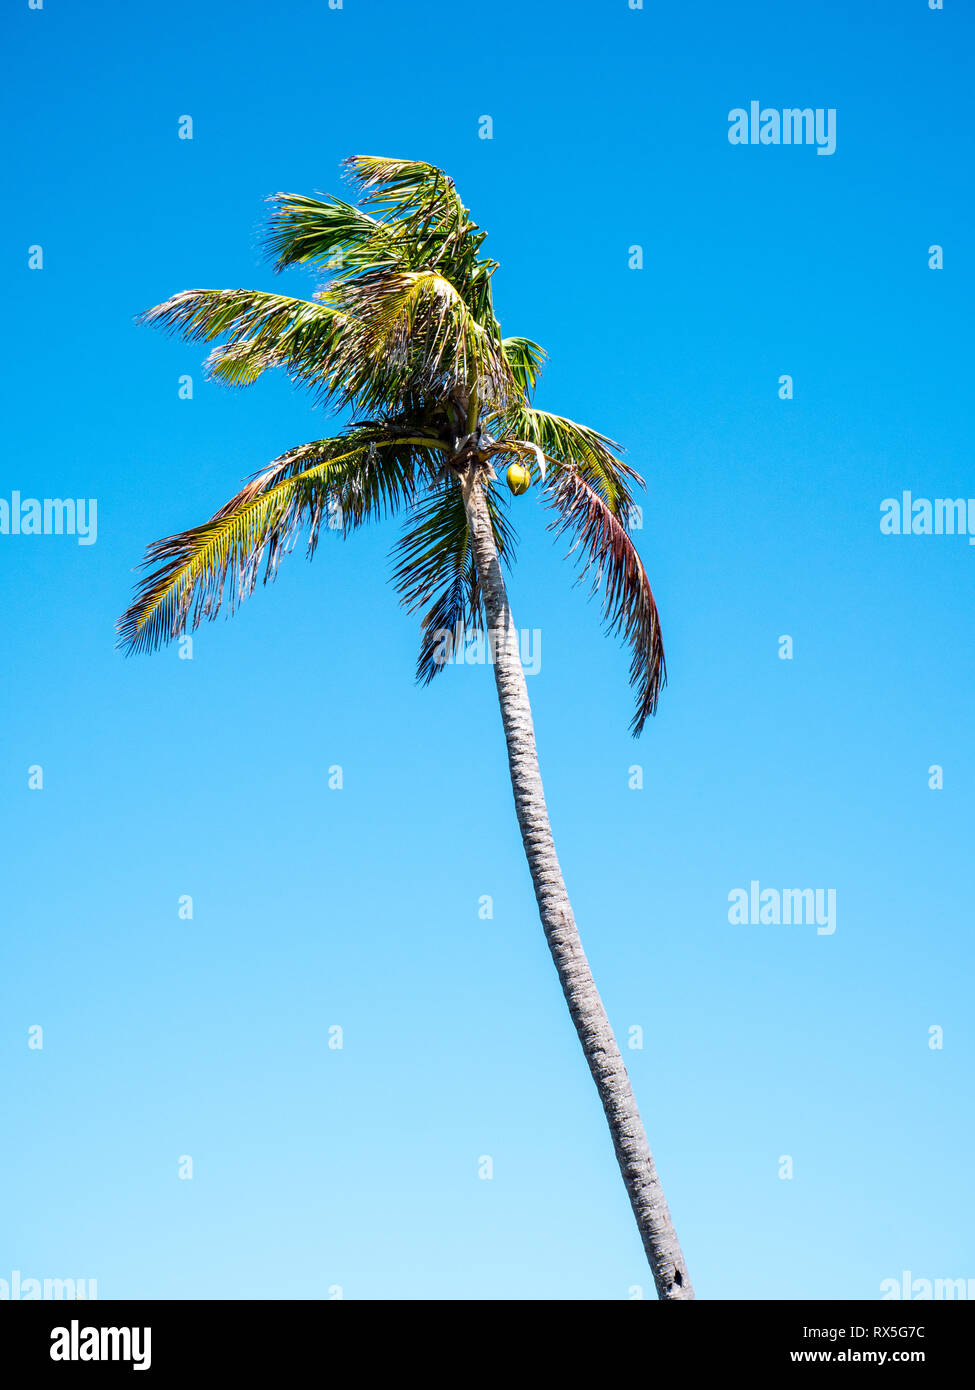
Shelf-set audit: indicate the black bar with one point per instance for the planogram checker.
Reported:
(464, 1340)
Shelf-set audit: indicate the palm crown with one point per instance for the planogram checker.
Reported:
(403, 336)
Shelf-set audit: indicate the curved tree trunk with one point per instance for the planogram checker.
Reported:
(592, 1025)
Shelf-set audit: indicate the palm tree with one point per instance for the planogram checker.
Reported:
(403, 336)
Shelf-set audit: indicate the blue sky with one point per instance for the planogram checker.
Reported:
(316, 1168)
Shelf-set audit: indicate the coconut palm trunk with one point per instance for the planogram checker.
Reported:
(588, 1014)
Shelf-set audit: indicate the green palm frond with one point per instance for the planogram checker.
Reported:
(416, 325)
(345, 238)
(262, 330)
(573, 448)
(411, 191)
(423, 203)
(628, 603)
(321, 345)
(240, 363)
(340, 477)
(435, 566)
(394, 464)
(525, 360)
(202, 315)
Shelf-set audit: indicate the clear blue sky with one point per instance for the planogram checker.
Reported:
(163, 1037)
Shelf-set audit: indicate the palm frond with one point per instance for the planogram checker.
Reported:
(409, 189)
(423, 203)
(262, 330)
(526, 360)
(415, 326)
(189, 571)
(573, 448)
(321, 345)
(346, 238)
(202, 315)
(628, 603)
(435, 566)
(240, 363)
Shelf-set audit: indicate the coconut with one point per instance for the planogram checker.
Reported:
(519, 479)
